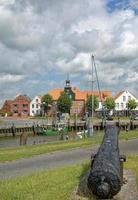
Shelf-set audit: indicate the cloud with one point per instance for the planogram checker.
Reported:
(10, 78)
(41, 41)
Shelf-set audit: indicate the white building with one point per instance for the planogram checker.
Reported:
(122, 98)
(35, 106)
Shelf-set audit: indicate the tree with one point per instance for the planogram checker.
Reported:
(131, 104)
(47, 100)
(109, 103)
(64, 103)
(95, 101)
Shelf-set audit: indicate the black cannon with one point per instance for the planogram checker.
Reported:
(106, 173)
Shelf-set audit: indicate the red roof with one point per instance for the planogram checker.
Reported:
(55, 93)
(79, 95)
(22, 97)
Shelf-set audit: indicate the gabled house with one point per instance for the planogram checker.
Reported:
(35, 106)
(122, 98)
(20, 106)
(6, 108)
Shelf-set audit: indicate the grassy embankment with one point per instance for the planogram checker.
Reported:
(52, 184)
(1, 122)
(14, 153)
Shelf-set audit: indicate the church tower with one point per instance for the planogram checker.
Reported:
(68, 89)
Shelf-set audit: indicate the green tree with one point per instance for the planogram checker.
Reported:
(109, 103)
(95, 101)
(131, 104)
(64, 103)
(47, 100)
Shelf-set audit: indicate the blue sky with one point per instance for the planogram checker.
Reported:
(113, 5)
(43, 41)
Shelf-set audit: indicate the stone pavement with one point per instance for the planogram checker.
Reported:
(128, 191)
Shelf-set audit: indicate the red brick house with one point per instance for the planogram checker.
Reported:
(7, 106)
(20, 106)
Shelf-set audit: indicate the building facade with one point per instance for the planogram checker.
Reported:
(6, 108)
(20, 106)
(35, 106)
(122, 98)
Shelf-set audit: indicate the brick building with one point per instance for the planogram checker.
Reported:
(79, 97)
(6, 108)
(20, 106)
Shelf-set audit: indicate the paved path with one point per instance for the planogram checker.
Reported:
(56, 159)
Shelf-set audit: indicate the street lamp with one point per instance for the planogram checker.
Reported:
(43, 112)
(55, 112)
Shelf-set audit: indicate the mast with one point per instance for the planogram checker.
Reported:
(90, 119)
(94, 74)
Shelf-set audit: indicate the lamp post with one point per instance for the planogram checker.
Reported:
(55, 113)
(43, 113)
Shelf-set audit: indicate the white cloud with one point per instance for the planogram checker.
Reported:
(6, 2)
(41, 38)
(10, 78)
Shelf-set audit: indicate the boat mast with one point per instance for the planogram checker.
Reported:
(94, 70)
(92, 87)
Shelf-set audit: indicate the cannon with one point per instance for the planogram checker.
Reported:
(106, 174)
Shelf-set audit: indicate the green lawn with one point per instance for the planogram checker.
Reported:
(132, 163)
(128, 135)
(47, 185)
(52, 184)
(8, 154)
(2, 122)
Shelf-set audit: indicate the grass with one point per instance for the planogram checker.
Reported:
(47, 185)
(132, 163)
(39, 117)
(2, 122)
(9, 154)
(122, 118)
(128, 135)
(52, 184)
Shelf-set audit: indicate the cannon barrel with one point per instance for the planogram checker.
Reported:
(104, 180)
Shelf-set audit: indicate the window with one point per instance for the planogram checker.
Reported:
(122, 105)
(124, 98)
(25, 105)
(117, 105)
(15, 108)
(24, 111)
(15, 111)
(36, 105)
(129, 97)
(32, 105)
(36, 100)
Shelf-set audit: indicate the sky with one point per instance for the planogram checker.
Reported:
(44, 41)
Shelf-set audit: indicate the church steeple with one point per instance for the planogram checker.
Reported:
(68, 86)
(68, 89)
